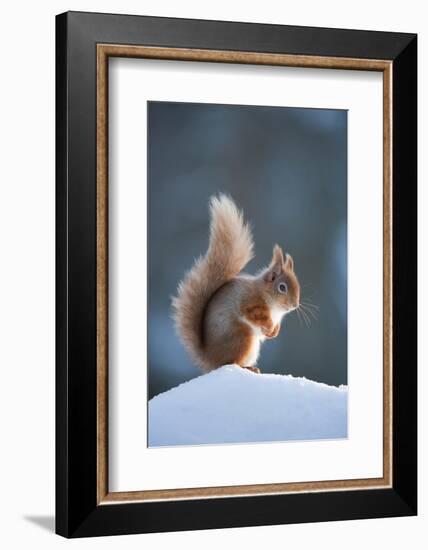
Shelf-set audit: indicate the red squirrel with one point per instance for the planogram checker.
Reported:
(222, 315)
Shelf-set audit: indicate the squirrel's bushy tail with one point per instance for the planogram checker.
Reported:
(230, 249)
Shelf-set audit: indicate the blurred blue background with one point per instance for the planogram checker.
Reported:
(287, 168)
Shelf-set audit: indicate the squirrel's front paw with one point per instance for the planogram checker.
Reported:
(272, 333)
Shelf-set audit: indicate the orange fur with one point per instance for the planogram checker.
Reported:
(275, 331)
(259, 315)
(243, 343)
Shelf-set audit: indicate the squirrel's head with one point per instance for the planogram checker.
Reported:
(281, 281)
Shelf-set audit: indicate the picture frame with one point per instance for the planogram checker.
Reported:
(84, 44)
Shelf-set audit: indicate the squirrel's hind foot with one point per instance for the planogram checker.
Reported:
(252, 369)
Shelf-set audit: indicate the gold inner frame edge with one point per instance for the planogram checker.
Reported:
(104, 51)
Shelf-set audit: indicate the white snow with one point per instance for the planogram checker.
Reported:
(234, 405)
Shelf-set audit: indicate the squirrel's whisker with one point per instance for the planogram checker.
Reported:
(307, 317)
(309, 312)
(310, 309)
(304, 316)
(298, 316)
(310, 306)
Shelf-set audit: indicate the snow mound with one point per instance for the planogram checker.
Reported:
(234, 405)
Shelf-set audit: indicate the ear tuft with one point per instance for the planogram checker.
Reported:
(276, 266)
(277, 256)
(289, 262)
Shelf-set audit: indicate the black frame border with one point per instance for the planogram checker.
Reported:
(77, 512)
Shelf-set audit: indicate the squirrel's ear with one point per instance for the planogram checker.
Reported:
(276, 265)
(289, 262)
(277, 256)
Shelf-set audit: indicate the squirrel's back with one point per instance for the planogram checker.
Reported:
(230, 249)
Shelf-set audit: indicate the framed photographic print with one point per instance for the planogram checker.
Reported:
(236, 274)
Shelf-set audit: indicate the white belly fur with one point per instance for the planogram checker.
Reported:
(259, 337)
(254, 353)
(277, 314)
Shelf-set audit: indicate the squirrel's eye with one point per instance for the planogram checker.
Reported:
(282, 288)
